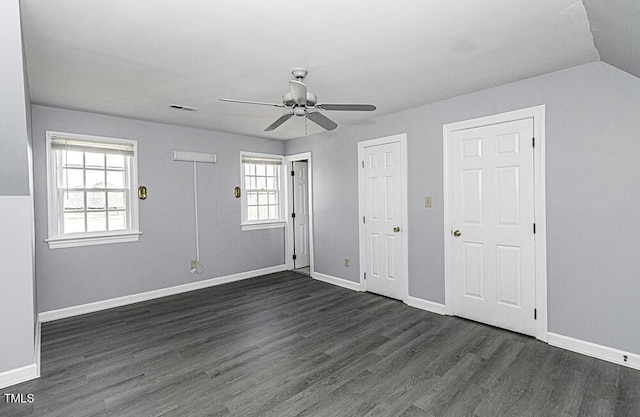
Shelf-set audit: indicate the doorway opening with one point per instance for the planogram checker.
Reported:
(299, 232)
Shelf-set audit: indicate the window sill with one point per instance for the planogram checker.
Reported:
(72, 242)
(260, 226)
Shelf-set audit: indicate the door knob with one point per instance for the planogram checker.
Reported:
(396, 229)
(457, 233)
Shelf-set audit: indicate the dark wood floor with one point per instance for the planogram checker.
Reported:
(287, 345)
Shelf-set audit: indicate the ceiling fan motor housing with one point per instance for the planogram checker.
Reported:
(288, 101)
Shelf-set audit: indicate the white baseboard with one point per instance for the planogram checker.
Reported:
(341, 282)
(596, 351)
(63, 313)
(426, 305)
(18, 376)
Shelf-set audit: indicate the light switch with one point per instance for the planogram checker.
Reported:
(427, 201)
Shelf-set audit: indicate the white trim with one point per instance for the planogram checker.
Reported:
(594, 350)
(38, 346)
(55, 237)
(402, 138)
(426, 305)
(340, 282)
(243, 192)
(260, 226)
(19, 375)
(63, 313)
(537, 113)
(305, 156)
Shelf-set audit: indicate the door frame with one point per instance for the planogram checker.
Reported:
(536, 113)
(402, 138)
(288, 241)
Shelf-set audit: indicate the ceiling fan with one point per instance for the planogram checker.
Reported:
(300, 102)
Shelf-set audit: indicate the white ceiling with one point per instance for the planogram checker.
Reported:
(134, 58)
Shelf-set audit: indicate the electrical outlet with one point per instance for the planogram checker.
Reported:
(192, 264)
(346, 262)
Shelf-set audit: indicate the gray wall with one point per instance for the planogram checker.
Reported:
(17, 323)
(74, 276)
(593, 194)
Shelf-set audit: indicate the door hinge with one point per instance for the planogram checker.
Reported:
(294, 257)
(534, 228)
(533, 142)
(293, 173)
(535, 314)
(362, 164)
(365, 275)
(363, 220)
(293, 215)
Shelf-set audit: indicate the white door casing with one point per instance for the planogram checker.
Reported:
(301, 210)
(289, 204)
(382, 195)
(492, 200)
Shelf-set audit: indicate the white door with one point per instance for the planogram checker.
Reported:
(382, 166)
(492, 215)
(301, 210)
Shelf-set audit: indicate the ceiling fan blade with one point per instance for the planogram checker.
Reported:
(251, 102)
(347, 107)
(298, 92)
(322, 120)
(278, 122)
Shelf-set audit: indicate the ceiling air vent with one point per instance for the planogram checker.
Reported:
(181, 107)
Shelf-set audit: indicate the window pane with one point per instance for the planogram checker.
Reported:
(252, 213)
(73, 200)
(270, 170)
(262, 198)
(271, 183)
(249, 169)
(72, 159)
(95, 179)
(261, 183)
(273, 198)
(116, 200)
(115, 179)
(252, 199)
(115, 161)
(273, 212)
(96, 221)
(263, 213)
(260, 170)
(94, 160)
(117, 220)
(247, 183)
(73, 222)
(72, 178)
(96, 200)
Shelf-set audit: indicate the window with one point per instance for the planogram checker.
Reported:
(261, 193)
(91, 186)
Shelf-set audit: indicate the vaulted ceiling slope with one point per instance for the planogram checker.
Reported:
(134, 59)
(615, 25)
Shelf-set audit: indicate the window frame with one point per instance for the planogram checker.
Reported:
(56, 238)
(280, 222)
